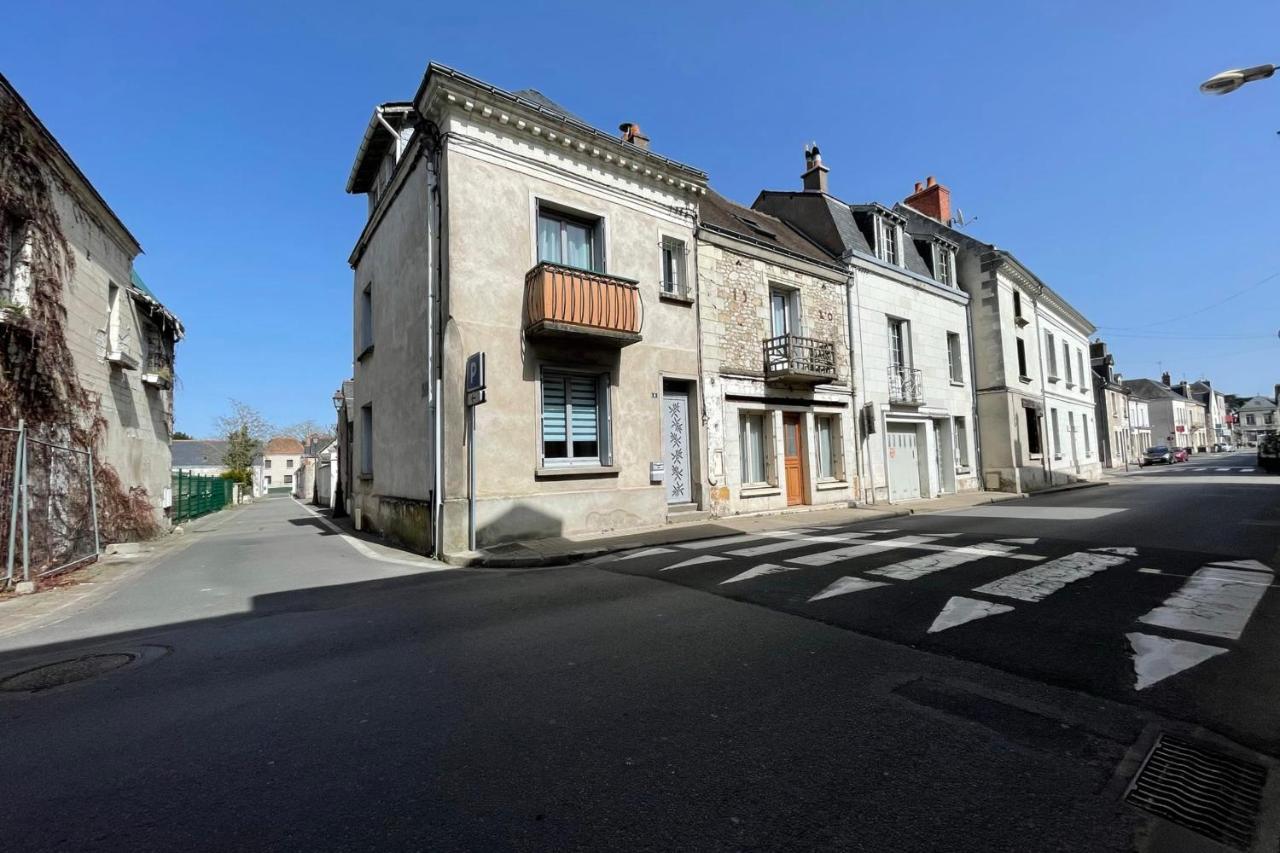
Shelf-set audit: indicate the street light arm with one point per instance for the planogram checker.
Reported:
(1229, 81)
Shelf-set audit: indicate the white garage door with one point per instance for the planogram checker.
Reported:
(904, 462)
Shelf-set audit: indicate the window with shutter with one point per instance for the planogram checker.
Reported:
(575, 422)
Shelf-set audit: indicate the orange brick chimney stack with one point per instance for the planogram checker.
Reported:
(931, 199)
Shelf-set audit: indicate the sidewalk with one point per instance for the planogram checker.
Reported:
(562, 550)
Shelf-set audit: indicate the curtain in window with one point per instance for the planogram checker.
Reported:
(778, 304)
(548, 240)
(577, 245)
(751, 437)
(826, 460)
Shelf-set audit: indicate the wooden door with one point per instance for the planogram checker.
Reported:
(792, 450)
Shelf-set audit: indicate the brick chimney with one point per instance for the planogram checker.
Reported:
(931, 199)
(1164, 377)
(815, 176)
(631, 133)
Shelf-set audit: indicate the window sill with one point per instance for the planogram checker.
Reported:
(365, 478)
(565, 471)
(678, 298)
(1026, 380)
(759, 491)
(1071, 384)
(963, 469)
(957, 383)
(831, 485)
(1020, 321)
(1054, 379)
(364, 352)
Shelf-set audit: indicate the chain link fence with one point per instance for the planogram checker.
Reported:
(48, 509)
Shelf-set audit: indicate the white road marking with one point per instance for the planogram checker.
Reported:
(1036, 584)
(1030, 541)
(1251, 565)
(364, 550)
(1125, 551)
(1211, 480)
(960, 610)
(915, 543)
(1222, 469)
(846, 585)
(760, 571)
(1246, 470)
(696, 561)
(1152, 571)
(1039, 513)
(647, 552)
(1215, 601)
(741, 539)
(918, 567)
(791, 544)
(1157, 658)
(883, 530)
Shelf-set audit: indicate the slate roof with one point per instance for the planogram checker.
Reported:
(1259, 402)
(1149, 389)
(197, 453)
(719, 213)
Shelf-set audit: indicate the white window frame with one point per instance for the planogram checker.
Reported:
(836, 472)
(1020, 352)
(604, 419)
(1088, 445)
(1084, 386)
(766, 448)
(888, 241)
(791, 306)
(960, 433)
(1053, 356)
(1057, 435)
(676, 248)
(904, 357)
(955, 358)
(944, 264)
(1066, 356)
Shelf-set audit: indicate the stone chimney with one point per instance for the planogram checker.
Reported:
(1277, 393)
(815, 176)
(931, 199)
(1164, 377)
(1185, 388)
(631, 133)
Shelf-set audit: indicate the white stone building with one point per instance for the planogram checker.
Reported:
(281, 465)
(1139, 427)
(1176, 420)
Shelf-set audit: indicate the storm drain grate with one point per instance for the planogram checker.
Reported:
(1207, 792)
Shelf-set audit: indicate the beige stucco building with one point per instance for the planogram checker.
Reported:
(67, 280)
(499, 223)
(281, 465)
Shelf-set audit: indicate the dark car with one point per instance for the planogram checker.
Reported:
(1269, 454)
(1157, 455)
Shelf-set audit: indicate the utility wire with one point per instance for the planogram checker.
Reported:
(1199, 311)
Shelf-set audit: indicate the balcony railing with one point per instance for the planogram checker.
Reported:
(572, 303)
(792, 358)
(905, 385)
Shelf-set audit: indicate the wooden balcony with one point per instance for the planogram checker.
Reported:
(567, 303)
(796, 360)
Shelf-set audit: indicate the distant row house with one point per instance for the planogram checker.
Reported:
(655, 351)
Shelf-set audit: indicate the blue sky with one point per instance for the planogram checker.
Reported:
(223, 133)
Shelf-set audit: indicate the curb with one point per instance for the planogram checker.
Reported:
(1069, 487)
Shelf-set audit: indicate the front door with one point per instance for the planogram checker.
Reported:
(675, 445)
(792, 449)
(904, 462)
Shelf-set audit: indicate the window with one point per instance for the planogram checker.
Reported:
(1248, 419)
(1057, 437)
(1022, 359)
(1053, 356)
(953, 357)
(1071, 431)
(575, 422)
(899, 343)
(288, 479)
(288, 463)
(113, 317)
(15, 261)
(828, 435)
(751, 445)
(962, 443)
(1066, 364)
(784, 311)
(673, 267)
(366, 440)
(1033, 431)
(267, 479)
(1017, 305)
(366, 318)
(887, 242)
(567, 240)
(1084, 425)
(1080, 369)
(944, 261)
(266, 463)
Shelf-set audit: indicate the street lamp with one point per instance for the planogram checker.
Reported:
(1229, 81)
(337, 400)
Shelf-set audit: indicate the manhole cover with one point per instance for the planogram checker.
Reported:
(1210, 793)
(65, 672)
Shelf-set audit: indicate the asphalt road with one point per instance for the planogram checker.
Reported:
(291, 694)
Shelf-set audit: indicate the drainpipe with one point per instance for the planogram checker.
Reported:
(976, 430)
(708, 476)
(855, 310)
(1044, 403)
(435, 328)
(394, 134)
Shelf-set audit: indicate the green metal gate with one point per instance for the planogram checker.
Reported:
(195, 495)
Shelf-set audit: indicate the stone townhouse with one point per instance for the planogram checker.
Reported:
(1139, 426)
(775, 361)
(1035, 405)
(1217, 426)
(1111, 398)
(909, 341)
(281, 464)
(86, 348)
(1258, 416)
(1173, 415)
(499, 223)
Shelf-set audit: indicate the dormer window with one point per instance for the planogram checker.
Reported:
(944, 264)
(888, 241)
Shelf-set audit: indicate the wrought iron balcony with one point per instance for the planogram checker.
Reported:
(563, 302)
(795, 359)
(905, 385)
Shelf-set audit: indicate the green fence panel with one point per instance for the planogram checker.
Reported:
(195, 495)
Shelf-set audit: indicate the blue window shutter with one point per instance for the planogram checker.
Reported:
(582, 390)
(553, 408)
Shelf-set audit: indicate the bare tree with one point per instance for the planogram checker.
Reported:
(244, 418)
(305, 428)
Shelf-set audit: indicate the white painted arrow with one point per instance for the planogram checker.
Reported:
(705, 558)
(1157, 658)
(960, 610)
(647, 552)
(846, 585)
(760, 571)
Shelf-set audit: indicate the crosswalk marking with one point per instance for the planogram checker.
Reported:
(647, 552)
(1125, 551)
(1041, 581)
(760, 571)
(915, 543)
(959, 610)
(846, 585)
(918, 567)
(740, 539)
(1157, 658)
(1222, 469)
(793, 543)
(1215, 601)
(696, 561)
(1247, 470)
(1027, 541)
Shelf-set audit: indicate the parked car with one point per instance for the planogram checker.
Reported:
(1181, 454)
(1157, 455)
(1269, 454)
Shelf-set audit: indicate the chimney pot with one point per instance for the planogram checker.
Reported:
(919, 186)
(933, 199)
(815, 175)
(631, 133)
(1164, 378)
(931, 181)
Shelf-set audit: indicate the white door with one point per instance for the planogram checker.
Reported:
(904, 462)
(675, 445)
